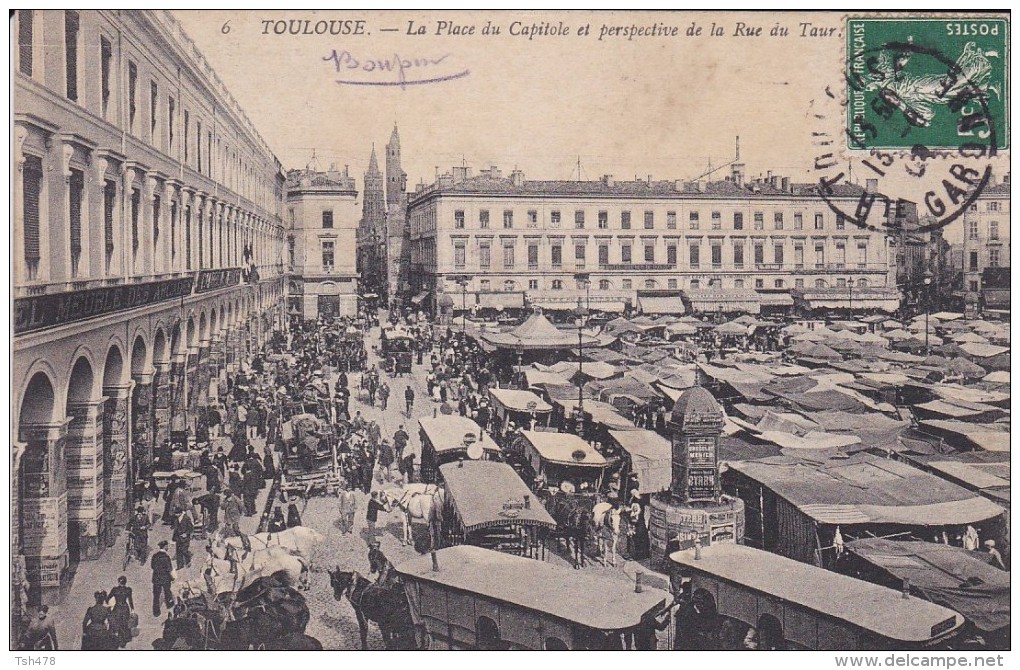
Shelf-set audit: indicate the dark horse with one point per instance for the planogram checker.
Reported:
(573, 522)
(385, 605)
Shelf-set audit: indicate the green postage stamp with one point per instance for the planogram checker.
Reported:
(941, 84)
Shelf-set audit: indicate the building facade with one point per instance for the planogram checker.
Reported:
(322, 223)
(147, 244)
(983, 243)
(609, 242)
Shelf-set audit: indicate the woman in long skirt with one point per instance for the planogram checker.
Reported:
(120, 616)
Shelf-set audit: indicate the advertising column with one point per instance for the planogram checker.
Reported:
(44, 508)
(115, 457)
(85, 495)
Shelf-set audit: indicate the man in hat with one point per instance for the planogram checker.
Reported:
(400, 440)
(231, 514)
(378, 563)
(183, 528)
(162, 575)
(409, 399)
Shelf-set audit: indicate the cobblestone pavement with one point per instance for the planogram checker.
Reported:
(332, 623)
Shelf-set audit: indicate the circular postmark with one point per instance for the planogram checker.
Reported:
(921, 122)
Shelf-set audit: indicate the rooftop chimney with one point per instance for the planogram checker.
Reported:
(517, 178)
(649, 180)
(786, 185)
(461, 173)
(608, 180)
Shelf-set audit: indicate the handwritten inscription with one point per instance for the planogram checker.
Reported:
(394, 70)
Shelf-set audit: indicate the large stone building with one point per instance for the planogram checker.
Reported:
(147, 246)
(322, 222)
(981, 244)
(730, 245)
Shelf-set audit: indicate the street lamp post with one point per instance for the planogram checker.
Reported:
(850, 285)
(462, 281)
(580, 313)
(927, 307)
(583, 278)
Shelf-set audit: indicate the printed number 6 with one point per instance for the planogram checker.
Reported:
(226, 28)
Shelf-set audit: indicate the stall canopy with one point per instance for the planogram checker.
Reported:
(978, 436)
(725, 300)
(447, 433)
(537, 333)
(502, 300)
(420, 298)
(480, 489)
(660, 305)
(946, 575)
(564, 449)
(885, 298)
(519, 401)
(650, 455)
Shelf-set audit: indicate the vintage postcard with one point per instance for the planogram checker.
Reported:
(430, 330)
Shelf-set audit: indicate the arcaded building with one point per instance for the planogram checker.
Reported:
(147, 258)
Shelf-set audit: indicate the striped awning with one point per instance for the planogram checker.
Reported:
(661, 305)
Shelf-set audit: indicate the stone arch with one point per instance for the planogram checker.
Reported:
(113, 367)
(81, 383)
(176, 341)
(214, 325)
(203, 327)
(139, 356)
(192, 338)
(39, 400)
(160, 348)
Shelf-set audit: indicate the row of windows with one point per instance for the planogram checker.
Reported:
(994, 259)
(204, 152)
(993, 230)
(694, 220)
(508, 285)
(649, 256)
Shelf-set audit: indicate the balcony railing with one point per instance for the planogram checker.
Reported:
(637, 267)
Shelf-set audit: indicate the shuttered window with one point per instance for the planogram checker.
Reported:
(72, 26)
(32, 174)
(136, 200)
(187, 237)
(173, 230)
(201, 255)
(26, 40)
(76, 187)
(155, 224)
(109, 203)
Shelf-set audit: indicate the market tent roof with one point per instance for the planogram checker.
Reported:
(539, 586)
(949, 576)
(535, 377)
(519, 401)
(594, 370)
(969, 393)
(884, 298)
(660, 305)
(962, 366)
(563, 448)
(479, 489)
(536, 333)
(897, 334)
(979, 350)
(775, 299)
(947, 316)
(681, 328)
(866, 489)
(970, 337)
(978, 435)
(446, 432)
(863, 604)
(997, 377)
(607, 415)
(731, 328)
(651, 458)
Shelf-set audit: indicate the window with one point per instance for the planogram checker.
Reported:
(671, 220)
(109, 206)
(819, 256)
(777, 255)
(26, 41)
(76, 189)
(603, 254)
(557, 284)
(557, 256)
(32, 174)
(136, 201)
(840, 283)
(532, 256)
(973, 261)
(650, 284)
(156, 211)
(603, 219)
(759, 221)
(798, 221)
(993, 206)
(187, 238)
(484, 255)
(327, 254)
(649, 253)
(579, 218)
(484, 286)
(459, 256)
(862, 255)
(798, 283)
(625, 220)
(738, 220)
(201, 240)
(154, 110)
(738, 255)
(627, 284)
(483, 218)
(508, 218)
(695, 253)
(554, 218)
(716, 255)
(509, 285)
(579, 255)
(695, 284)
(198, 144)
(603, 284)
(133, 97)
(973, 285)
(759, 283)
(972, 230)
(458, 219)
(72, 26)
(508, 256)
(532, 218)
(649, 220)
(625, 256)
(533, 284)
(862, 283)
(759, 254)
(819, 283)
(779, 283)
(798, 256)
(716, 220)
(671, 254)
(840, 254)
(327, 218)
(105, 60)
(738, 283)
(693, 218)
(819, 221)
(671, 283)
(778, 220)
(187, 129)
(993, 230)
(170, 123)
(840, 222)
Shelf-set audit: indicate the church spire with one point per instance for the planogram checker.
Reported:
(395, 136)
(373, 163)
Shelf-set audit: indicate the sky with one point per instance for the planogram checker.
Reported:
(665, 106)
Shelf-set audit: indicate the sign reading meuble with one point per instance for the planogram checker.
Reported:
(46, 311)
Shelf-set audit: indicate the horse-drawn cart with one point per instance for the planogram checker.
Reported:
(309, 455)
(445, 439)
(397, 347)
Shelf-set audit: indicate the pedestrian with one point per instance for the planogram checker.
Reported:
(268, 465)
(372, 515)
(293, 516)
(278, 523)
(348, 507)
(409, 399)
(40, 634)
(251, 485)
(212, 477)
(407, 468)
(384, 395)
(385, 459)
(993, 553)
(242, 420)
(120, 615)
(236, 483)
(183, 528)
(95, 627)
(400, 440)
(162, 575)
(231, 514)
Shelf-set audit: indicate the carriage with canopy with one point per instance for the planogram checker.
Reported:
(309, 455)
(456, 603)
(446, 439)
(397, 348)
(522, 408)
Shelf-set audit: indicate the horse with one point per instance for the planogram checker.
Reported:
(606, 523)
(422, 503)
(299, 541)
(232, 569)
(573, 523)
(386, 606)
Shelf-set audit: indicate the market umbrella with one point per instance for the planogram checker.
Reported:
(911, 344)
(898, 334)
(794, 329)
(970, 337)
(997, 377)
(846, 346)
(965, 368)
(934, 361)
(731, 328)
(873, 339)
(949, 350)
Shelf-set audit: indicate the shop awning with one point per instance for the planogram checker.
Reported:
(507, 300)
(732, 300)
(885, 299)
(777, 299)
(997, 298)
(661, 305)
(420, 298)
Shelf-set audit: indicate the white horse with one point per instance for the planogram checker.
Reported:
(419, 502)
(231, 568)
(299, 541)
(606, 519)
